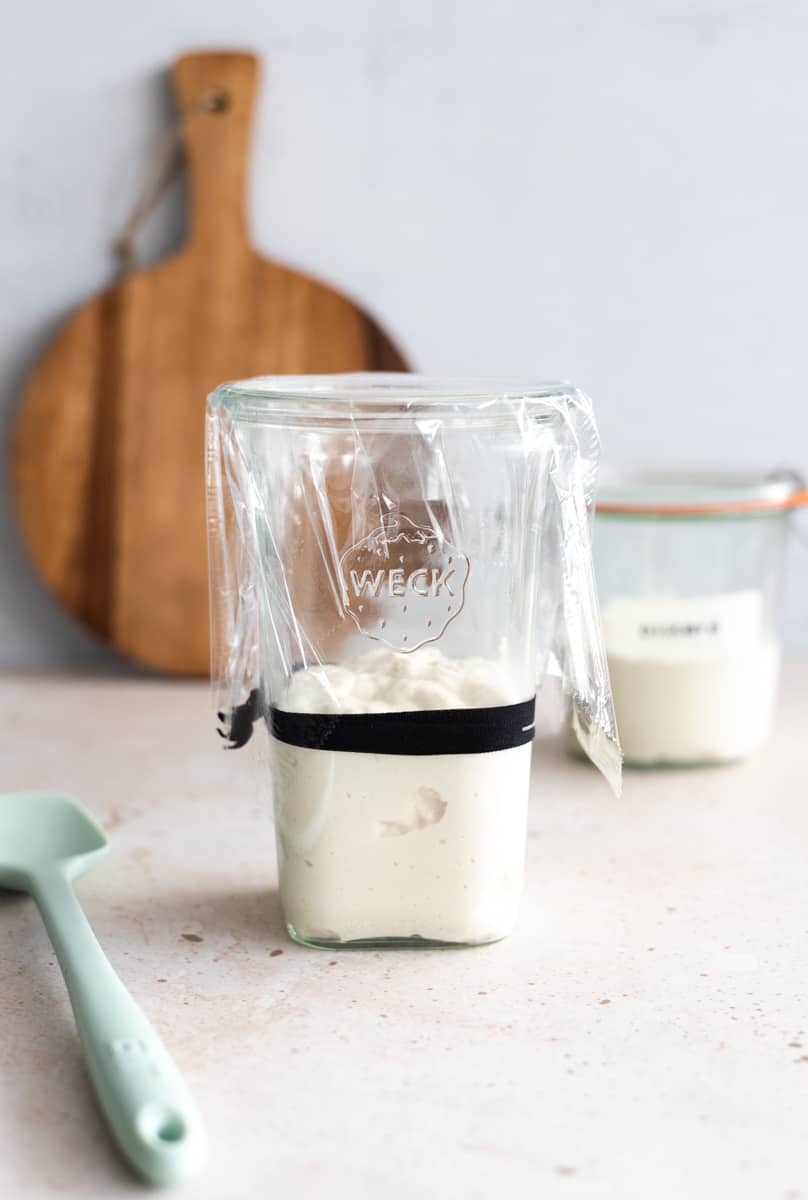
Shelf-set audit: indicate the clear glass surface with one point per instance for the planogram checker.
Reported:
(400, 546)
(690, 609)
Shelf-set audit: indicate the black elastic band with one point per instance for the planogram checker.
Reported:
(433, 731)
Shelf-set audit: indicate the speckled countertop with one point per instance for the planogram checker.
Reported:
(643, 1034)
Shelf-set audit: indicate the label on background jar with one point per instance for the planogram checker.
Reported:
(683, 626)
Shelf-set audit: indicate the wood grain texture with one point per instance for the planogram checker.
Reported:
(108, 464)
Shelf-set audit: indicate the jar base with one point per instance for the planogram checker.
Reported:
(673, 764)
(414, 942)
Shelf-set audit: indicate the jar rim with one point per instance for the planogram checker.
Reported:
(700, 491)
(359, 396)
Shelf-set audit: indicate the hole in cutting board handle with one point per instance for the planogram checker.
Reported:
(216, 101)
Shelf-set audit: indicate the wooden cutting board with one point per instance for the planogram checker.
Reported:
(108, 464)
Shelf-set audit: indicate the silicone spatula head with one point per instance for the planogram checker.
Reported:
(41, 830)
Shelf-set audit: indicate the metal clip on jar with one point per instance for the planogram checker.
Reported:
(689, 570)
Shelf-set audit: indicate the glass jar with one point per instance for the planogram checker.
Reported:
(690, 569)
(394, 559)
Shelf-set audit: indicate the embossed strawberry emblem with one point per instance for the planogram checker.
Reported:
(403, 583)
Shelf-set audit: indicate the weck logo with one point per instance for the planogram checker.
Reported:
(403, 584)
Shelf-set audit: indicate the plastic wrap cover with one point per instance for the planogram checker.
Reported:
(487, 489)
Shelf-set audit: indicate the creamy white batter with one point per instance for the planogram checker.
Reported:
(694, 679)
(400, 846)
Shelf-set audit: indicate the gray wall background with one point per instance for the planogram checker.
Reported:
(611, 193)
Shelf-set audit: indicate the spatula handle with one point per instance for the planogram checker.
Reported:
(217, 92)
(142, 1094)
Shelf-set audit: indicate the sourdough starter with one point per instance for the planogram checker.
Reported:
(400, 846)
(694, 679)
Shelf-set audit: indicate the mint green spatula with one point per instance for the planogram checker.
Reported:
(47, 841)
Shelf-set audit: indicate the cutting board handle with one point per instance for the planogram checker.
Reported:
(217, 90)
